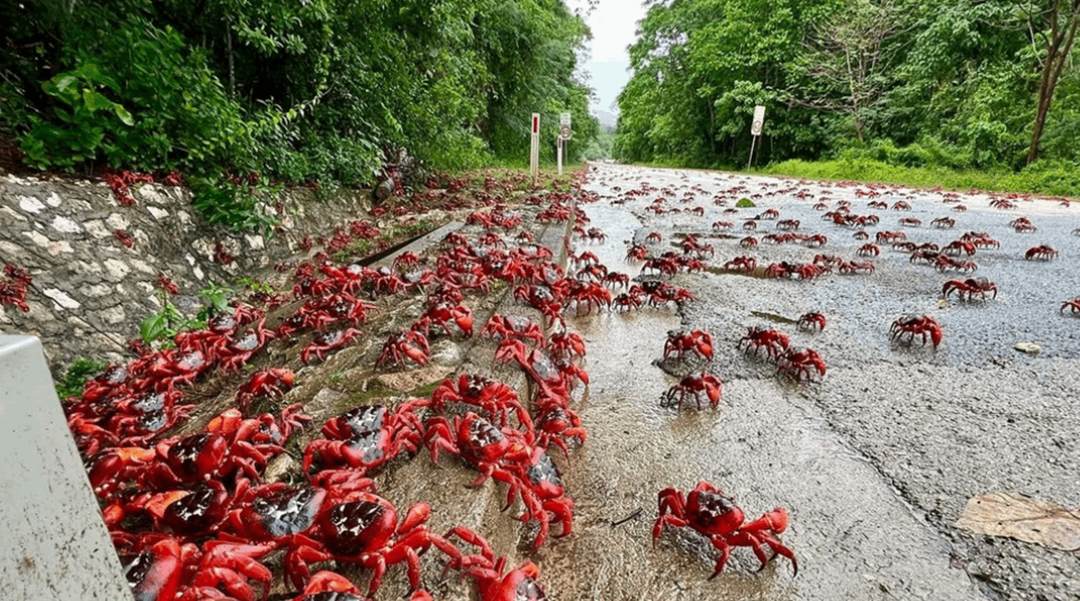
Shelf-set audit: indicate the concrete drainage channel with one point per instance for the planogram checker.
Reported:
(445, 486)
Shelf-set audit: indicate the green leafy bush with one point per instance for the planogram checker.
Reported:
(238, 207)
(76, 376)
(80, 121)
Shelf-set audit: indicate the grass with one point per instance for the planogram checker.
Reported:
(1043, 179)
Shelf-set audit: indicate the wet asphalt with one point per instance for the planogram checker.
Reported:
(874, 463)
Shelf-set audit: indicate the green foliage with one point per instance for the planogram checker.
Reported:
(76, 376)
(939, 84)
(238, 207)
(1058, 178)
(318, 91)
(745, 203)
(81, 118)
(217, 301)
(165, 324)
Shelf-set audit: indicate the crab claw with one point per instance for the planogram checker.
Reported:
(775, 520)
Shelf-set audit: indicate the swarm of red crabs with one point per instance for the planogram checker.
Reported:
(191, 514)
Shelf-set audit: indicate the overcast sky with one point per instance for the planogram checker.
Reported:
(613, 24)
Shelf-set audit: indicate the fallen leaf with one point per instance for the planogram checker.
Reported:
(1023, 518)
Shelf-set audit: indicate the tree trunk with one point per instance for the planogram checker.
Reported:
(1058, 48)
(232, 71)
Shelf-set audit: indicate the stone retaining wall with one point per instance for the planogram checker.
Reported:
(90, 291)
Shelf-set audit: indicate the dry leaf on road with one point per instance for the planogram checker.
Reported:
(1023, 518)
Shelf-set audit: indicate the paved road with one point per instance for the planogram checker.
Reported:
(876, 462)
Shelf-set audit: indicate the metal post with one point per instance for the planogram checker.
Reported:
(534, 155)
(748, 163)
(558, 153)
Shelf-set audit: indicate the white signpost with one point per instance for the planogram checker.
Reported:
(755, 130)
(534, 153)
(558, 152)
(565, 134)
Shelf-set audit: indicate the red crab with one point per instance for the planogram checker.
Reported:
(628, 300)
(342, 523)
(230, 444)
(1073, 305)
(800, 364)
(1040, 253)
(693, 386)
(124, 238)
(406, 259)
(868, 250)
(540, 485)
(154, 566)
(812, 321)
(441, 314)
(164, 370)
(595, 234)
(404, 345)
(331, 341)
(557, 423)
(925, 326)
(273, 382)
(493, 583)
(330, 586)
(554, 378)
(1023, 225)
(943, 263)
(365, 438)
(566, 345)
(513, 327)
(142, 416)
(969, 288)
(856, 267)
(187, 513)
(13, 290)
(496, 399)
(588, 295)
(944, 223)
(654, 237)
(490, 450)
(679, 342)
(715, 515)
(959, 247)
(341, 306)
(236, 350)
(744, 264)
(662, 293)
(774, 342)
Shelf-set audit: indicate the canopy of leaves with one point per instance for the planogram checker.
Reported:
(948, 83)
(298, 91)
